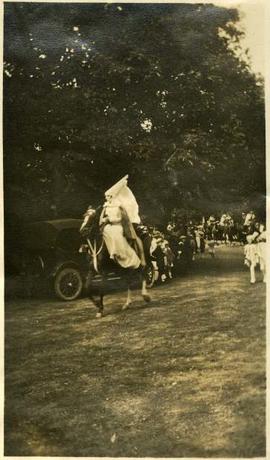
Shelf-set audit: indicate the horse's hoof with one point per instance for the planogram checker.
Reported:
(147, 298)
(125, 307)
(99, 315)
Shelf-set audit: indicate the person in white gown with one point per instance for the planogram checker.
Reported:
(116, 230)
(251, 255)
(262, 252)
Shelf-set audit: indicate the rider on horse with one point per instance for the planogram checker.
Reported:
(109, 232)
(118, 220)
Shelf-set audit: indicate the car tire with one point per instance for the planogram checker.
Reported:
(68, 284)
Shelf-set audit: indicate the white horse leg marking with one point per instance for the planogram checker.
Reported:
(128, 301)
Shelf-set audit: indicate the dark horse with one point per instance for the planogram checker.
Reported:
(101, 264)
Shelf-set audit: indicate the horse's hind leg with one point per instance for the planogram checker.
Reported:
(146, 296)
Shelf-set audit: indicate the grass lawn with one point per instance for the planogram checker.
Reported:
(183, 376)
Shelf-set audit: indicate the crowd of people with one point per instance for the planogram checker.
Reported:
(178, 243)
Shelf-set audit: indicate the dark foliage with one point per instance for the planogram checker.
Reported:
(95, 91)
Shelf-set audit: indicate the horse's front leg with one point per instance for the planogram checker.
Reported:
(98, 304)
(128, 300)
(96, 300)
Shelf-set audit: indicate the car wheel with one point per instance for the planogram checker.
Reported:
(68, 284)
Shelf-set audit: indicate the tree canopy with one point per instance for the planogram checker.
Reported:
(95, 91)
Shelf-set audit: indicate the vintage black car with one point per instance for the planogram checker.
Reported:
(51, 251)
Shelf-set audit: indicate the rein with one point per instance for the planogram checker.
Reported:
(94, 252)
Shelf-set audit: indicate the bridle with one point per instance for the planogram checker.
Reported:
(94, 252)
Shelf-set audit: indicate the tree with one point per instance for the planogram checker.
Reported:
(95, 91)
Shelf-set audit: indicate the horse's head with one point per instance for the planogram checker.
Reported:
(89, 219)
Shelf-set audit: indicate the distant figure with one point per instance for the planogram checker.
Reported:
(199, 238)
(223, 220)
(169, 255)
(262, 252)
(211, 221)
(243, 218)
(159, 256)
(170, 227)
(211, 248)
(250, 219)
(251, 255)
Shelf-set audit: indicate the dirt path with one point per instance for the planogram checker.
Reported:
(183, 376)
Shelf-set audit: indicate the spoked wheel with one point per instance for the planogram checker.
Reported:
(150, 275)
(68, 284)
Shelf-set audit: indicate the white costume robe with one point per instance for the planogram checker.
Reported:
(113, 234)
(262, 252)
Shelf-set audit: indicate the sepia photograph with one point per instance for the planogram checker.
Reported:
(134, 197)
